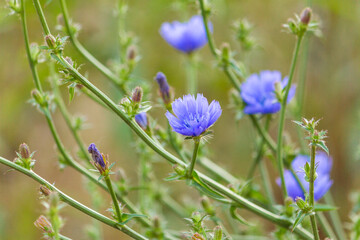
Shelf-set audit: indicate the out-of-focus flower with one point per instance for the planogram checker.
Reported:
(187, 36)
(192, 117)
(141, 120)
(258, 92)
(322, 183)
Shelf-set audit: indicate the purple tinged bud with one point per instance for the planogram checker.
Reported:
(141, 120)
(44, 224)
(164, 88)
(24, 150)
(137, 94)
(50, 41)
(305, 16)
(218, 233)
(131, 53)
(96, 156)
(44, 191)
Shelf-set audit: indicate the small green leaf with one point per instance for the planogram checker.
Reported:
(237, 217)
(202, 187)
(71, 93)
(323, 146)
(299, 218)
(324, 207)
(126, 217)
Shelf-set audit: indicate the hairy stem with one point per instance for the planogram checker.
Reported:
(113, 197)
(279, 150)
(193, 159)
(311, 192)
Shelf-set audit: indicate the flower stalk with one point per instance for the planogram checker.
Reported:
(194, 156)
(311, 192)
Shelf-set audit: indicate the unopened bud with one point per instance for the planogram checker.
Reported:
(44, 191)
(197, 236)
(37, 97)
(137, 94)
(305, 16)
(217, 233)
(206, 204)
(44, 224)
(179, 170)
(164, 88)
(300, 203)
(131, 53)
(24, 150)
(50, 41)
(69, 60)
(156, 222)
(142, 121)
(225, 52)
(196, 216)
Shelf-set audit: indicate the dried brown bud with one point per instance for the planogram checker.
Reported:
(24, 150)
(44, 191)
(305, 16)
(137, 94)
(131, 53)
(44, 224)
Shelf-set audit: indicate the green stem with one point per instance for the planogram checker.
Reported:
(113, 197)
(191, 73)
(42, 17)
(72, 202)
(334, 216)
(64, 238)
(204, 14)
(267, 183)
(216, 170)
(173, 205)
(326, 225)
(86, 54)
(311, 192)
(279, 150)
(194, 156)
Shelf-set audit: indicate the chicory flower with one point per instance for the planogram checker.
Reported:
(258, 92)
(192, 117)
(322, 183)
(187, 36)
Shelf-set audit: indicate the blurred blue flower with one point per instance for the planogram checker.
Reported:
(186, 37)
(96, 156)
(258, 92)
(322, 183)
(192, 117)
(141, 120)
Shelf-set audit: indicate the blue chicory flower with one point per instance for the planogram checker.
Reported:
(96, 156)
(141, 120)
(192, 117)
(258, 92)
(322, 183)
(186, 37)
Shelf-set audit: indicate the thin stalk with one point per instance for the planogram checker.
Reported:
(334, 216)
(42, 17)
(113, 197)
(72, 202)
(86, 54)
(279, 150)
(191, 73)
(62, 237)
(311, 192)
(216, 170)
(207, 29)
(193, 159)
(267, 183)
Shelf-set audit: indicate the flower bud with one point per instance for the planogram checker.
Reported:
(156, 222)
(196, 216)
(45, 191)
(305, 16)
(50, 41)
(44, 224)
(206, 204)
(217, 233)
(225, 52)
(24, 150)
(99, 161)
(131, 53)
(137, 94)
(37, 97)
(164, 88)
(142, 121)
(197, 236)
(179, 170)
(301, 203)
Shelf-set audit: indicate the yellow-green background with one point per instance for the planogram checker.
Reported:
(332, 93)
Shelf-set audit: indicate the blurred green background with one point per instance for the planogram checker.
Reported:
(332, 93)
